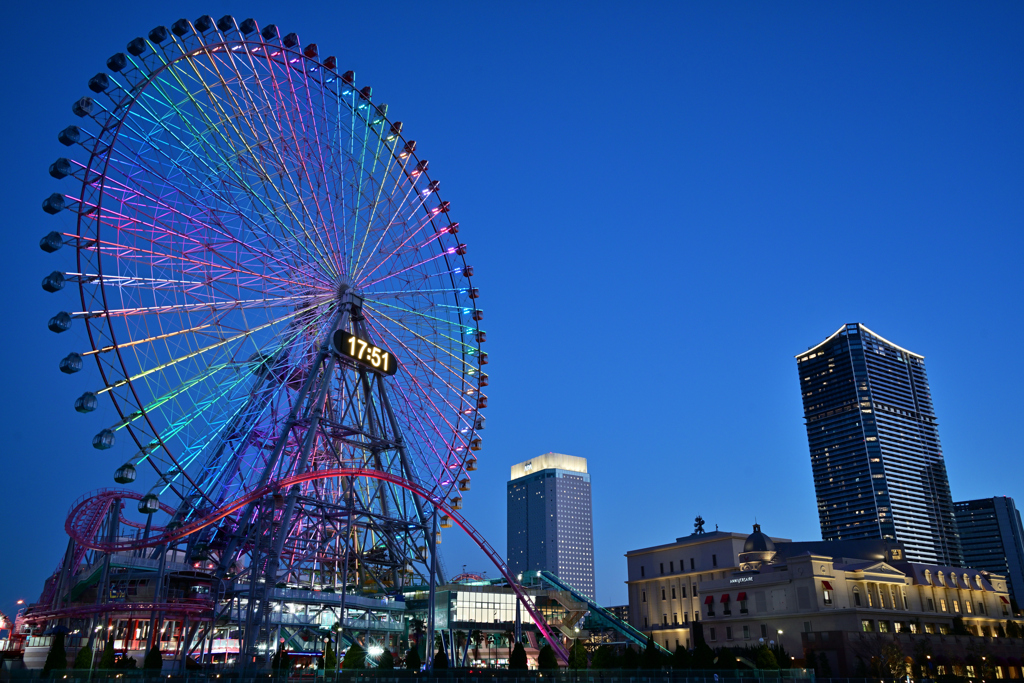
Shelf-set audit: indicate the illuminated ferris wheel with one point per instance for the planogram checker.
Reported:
(270, 285)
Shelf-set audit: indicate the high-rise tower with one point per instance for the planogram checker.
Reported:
(875, 452)
(549, 519)
(992, 537)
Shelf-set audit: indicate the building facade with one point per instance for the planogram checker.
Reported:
(992, 537)
(843, 600)
(550, 524)
(874, 442)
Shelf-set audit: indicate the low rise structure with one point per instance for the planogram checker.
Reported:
(842, 600)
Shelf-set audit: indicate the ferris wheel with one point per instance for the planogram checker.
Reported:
(270, 285)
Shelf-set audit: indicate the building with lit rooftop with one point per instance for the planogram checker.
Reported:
(550, 524)
(874, 441)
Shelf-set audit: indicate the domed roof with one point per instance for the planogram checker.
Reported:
(758, 542)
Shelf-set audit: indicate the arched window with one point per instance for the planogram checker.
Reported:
(927, 577)
(952, 579)
(856, 596)
(967, 581)
(977, 580)
(941, 579)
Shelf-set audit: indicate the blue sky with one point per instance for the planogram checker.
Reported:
(664, 203)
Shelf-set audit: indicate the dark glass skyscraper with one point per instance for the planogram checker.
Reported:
(992, 537)
(875, 452)
(549, 519)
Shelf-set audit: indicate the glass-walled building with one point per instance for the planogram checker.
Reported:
(874, 441)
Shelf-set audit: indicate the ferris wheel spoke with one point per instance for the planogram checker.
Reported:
(161, 227)
(322, 217)
(415, 266)
(408, 233)
(212, 306)
(422, 363)
(198, 135)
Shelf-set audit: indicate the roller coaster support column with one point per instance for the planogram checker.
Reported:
(430, 600)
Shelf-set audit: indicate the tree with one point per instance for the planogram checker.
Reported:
(604, 658)
(107, 660)
(811, 661)
(330, 659)
(764, 658)
(57, 657)
(387, 660)
(546, 659)
(355, 658)
(440, 659)
(630, 659)
(83, 660)
(703, 656)
(517, 660)
(958, 627)
(412, 659)
(681, 658)
(782, 657)
(824, 668)
(1012, 629)
(154, 660)
(651, 658)
(280, 661)
(577, 656)
(893, 662)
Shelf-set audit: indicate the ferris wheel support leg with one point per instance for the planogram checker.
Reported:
(282, 439)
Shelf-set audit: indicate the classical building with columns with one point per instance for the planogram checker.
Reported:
(842, 600)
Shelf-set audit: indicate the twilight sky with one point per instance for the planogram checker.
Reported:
(664, 203)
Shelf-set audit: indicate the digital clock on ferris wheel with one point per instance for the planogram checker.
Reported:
(365, 353)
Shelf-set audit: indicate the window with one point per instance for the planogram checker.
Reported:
(712, 630)
(867, 626)
(664, 620)
(944, 629)
(956, 603)
(728, 632)
(764, 630)
(968, 607)
(856, 596)
(675, 620)
(691, 564)
(929, 628)
(671, 567)
(981, 608)
(661, 566)
(694, 591)
(714, 560)
(686, 617)
(871, 603)
(743, 606)
(826, 596)
(807, 627)
(906, 605)
(645, 622)
(684, 591)
(746, 633)
(662, 593)
(931, 605)
(942, 604)
(673, 592)
(641, 570)
(711, 609)
(883, 626)
(643, 596)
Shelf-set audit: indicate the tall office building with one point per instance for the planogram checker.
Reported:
(875, 453)
(992, 537)
(549, 519)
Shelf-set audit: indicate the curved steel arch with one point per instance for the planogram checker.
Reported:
(228, 508)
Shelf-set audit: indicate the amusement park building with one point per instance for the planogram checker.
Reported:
(840, 599)
(550, 526)
(874, 441)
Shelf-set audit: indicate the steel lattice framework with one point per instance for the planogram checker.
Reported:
(235, 201)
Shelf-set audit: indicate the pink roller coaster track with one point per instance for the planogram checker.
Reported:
(86, 510)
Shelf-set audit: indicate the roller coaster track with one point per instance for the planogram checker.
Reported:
(79, 524)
